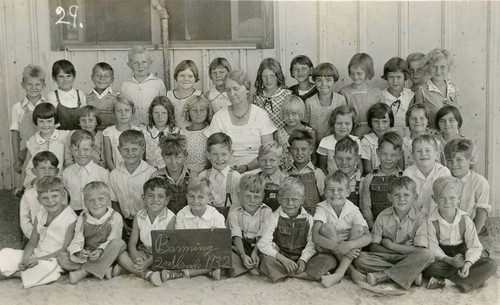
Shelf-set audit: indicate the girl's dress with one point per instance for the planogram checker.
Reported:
(286, 161)
(179, 107)
(152, 136)
(360, 100)
(196, 147)
(68, 116)
(399, 106)
(114, 134)
(434, 99)
(272, 105)
(304, 95)
(317, 115)
(217, 99)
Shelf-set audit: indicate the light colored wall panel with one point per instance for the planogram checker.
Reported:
(424, 26)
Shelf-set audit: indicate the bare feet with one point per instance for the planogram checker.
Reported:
(330, 280)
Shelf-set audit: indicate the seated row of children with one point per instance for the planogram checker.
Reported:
(288, 242)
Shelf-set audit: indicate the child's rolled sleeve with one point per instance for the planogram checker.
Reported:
(232, 219)
(266, 244)
(377, 231)
(78, 241)
(320, 214)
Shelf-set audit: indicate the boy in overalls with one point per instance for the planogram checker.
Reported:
(313, 178)
(269, 161)
(286, 242)
(376, 185)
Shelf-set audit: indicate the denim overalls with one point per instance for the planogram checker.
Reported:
(291, 236)
(95, 235)
(379, 188)
(68, 117)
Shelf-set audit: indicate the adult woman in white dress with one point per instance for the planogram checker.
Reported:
(248, 125)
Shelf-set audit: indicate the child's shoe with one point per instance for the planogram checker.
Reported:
(171, 274)
(76, 276)
(418, 281)
(154, 277)
(215, 274)
(117, 270)
(376, 278)
(435, 283)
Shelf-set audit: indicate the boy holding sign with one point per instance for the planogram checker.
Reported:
(155, 216)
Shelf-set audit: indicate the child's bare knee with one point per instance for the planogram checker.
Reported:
(356, 232)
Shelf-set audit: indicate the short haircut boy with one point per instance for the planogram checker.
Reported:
(44, 156)
(138, 50)
(104, 67)
(301, 135)
(219, 62)
(252, 183)
(133, 137)
(393, 138)
(173, 145)
(363, 61)
(424, 139)
(338, 176)
(219, 138)
(341, 110)
(442, 183)
(415, 107)
(445, 110)
(33, 71)
(200, 184)
(461, 145)
(124, 99)
(403, 182)
(45, 111)
(79, 135)
(348, 145)
(379, 111)
(187, 64)
(50, 184)
(89, 110)
(293, 103)
(396, 64)
(301, 60)
(97, 187)
(63, 65)
(266, 148)
(325, 69)
(291, 183)
(155, 183)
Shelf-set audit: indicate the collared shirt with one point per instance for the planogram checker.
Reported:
(327, 148)
(368, 149)
(399, 108)
(20, 108)
(52, 235)
(28, 209)
(103, 94)
(210, 219)
(164, 173)
(245, 225)
(411, 230)
(67, 98)
(75, 177)
(179, 104)
(356, 180)
(349, 216)
(104, 103)
(78, 242)
(475, 194)
(152, 137)
(266, 243)
(218, 180)
(272, 104)
(424, 202)
(142, 94)
(365, 191)
(126, 188)
(217, 99)
(310, 168)
(276, 178)
(161, 222)
(450, 236)
(55, 144)
(434, 99)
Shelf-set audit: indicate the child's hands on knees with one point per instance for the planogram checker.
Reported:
(464, 272)
(290, 266)
(247, 261)
(255, 258)
(343, 248)
(95, 255)
(83, 255)
(301, 266)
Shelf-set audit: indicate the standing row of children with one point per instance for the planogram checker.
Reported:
(167, 156)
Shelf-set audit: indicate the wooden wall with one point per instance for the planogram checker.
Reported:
(325, 31)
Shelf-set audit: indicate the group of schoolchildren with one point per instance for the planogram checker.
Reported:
(100, 171)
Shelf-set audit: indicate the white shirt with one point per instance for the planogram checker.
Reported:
(368, 149)
(126, 188)
(68, 99)
(218, 100)
(218, 181)
(18, 111)
(349, 216)
(210, 219)
(424, 203)
(327, 148)
(266, 243)
(399, 109)
(475, 194)
(28, 209)
(145, 225)
(75, 177)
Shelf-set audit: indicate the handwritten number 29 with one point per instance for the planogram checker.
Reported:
(73, 9)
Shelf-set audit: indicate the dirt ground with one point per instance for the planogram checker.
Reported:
(201, 290)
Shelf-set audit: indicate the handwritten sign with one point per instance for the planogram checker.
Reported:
(73, 9)
(191, 249)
